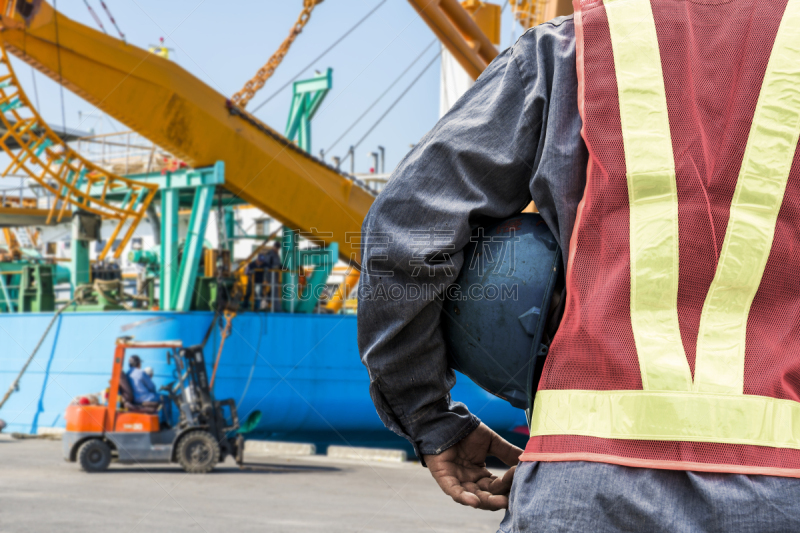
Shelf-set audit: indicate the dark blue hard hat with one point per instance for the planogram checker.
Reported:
(494, 315)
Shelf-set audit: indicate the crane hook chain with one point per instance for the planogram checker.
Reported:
(264, 73)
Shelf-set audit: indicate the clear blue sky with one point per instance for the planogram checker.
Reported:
(225, 43)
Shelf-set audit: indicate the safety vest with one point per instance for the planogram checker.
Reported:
(680, 342)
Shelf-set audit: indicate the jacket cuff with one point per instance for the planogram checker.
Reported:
(432, 430)
(441, 426)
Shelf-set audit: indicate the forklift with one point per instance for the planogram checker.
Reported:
(131, 433)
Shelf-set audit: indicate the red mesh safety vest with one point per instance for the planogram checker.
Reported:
(680, 343)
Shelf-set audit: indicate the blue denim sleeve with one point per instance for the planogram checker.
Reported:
(148, 383)
(487, 157)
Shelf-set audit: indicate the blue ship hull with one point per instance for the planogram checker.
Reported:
(303, 372)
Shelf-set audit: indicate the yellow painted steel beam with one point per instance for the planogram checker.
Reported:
(25, 216)
(183, 115)
(530, 13)
(459, 33)
(341, 294)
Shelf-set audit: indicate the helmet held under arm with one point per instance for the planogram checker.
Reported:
(495, 313)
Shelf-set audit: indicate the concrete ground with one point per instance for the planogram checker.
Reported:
(40, 492)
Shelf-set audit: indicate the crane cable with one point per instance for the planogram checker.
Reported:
(111, 17)
(35, 89)
(257, 82)
(323, 54)
(389, 109)
(379, 98)
(60, 76)
(224, 334)
(95, 17)
(15, 384)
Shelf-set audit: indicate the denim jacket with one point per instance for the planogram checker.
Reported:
(512, 138)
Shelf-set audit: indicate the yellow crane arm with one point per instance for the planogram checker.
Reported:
(530, 13)
(264, 73)
(186, 117)
(455, 27)
(461, 35)
(11, 243)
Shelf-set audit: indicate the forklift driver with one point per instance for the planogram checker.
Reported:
(144, 390)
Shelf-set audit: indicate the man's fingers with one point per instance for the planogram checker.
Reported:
(474, 488)
(471, 495)
(469, 499)
(462, 474)
(480, 499)
(461, 495)
(486, 482)
(502, 485)
(494, 484)
(495, 502)
(504, 450)
(472, 475)
(483, 499)
(508, 477)
(454, 488)
(458, 474)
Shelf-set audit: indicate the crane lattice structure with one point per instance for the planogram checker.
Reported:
(46, 158)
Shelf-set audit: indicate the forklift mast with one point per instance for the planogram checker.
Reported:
(197, 404)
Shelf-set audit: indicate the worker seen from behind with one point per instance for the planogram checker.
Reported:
(263, 275)
(658, 139)
(255, 280)
(272, 266)
(144, 390)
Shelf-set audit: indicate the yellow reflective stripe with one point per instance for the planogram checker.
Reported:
(668, 416)
(652, 194)
(714, 408)
(754, 210)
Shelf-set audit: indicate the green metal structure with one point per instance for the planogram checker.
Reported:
(181, 298)
(27, 286)
(80, 267)
(307, 96)
(321, 260)
(196, 187)
(36, 289)
(178, 276)
(229, 218)
(208, 291)
(146, 258)
(6, 304)
(170, 204)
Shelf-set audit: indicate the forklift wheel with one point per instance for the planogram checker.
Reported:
(94, 455)
(198, 452)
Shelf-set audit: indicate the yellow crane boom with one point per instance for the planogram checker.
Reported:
(530, 13)
(461, 34)
(183, 115)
